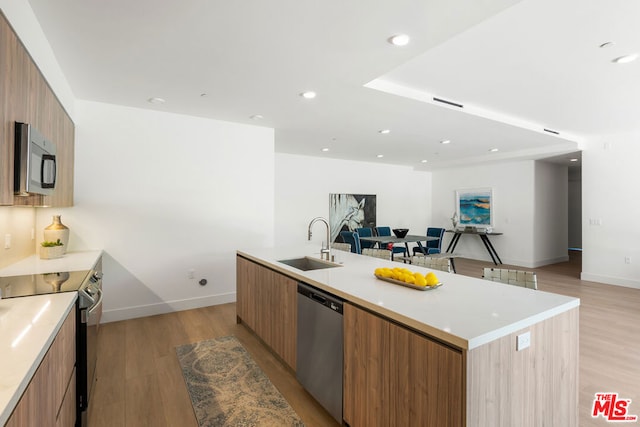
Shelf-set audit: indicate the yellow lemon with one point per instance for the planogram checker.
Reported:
(408, 278)
(378, 271)
(421, 281)
(432, 279)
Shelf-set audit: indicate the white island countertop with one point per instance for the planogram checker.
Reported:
(71, 261)
(465, 312)
(28, 326)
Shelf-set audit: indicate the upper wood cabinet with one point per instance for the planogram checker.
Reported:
(26, 97)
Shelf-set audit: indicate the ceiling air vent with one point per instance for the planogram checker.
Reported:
(552, 131)
(444, 101)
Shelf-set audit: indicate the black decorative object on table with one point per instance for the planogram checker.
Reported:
(400, 232)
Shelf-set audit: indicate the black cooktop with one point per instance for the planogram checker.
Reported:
(37, 284)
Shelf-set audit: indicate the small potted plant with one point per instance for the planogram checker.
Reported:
(50, 250)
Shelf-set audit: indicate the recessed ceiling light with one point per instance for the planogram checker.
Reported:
(325, 149)
(625, 59)
(308, 94)
(380, 156)
(573, 160)
(493, 150)
(445, 141)
(156, 100)
(424, 161)
(384, 131)
(606, 44)
(256, 117)
(399, 40)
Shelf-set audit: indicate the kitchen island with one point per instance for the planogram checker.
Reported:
(448, 356)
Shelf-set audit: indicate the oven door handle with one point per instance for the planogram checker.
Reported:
(97, 304)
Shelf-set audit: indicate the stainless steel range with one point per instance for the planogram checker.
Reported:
(88, 284)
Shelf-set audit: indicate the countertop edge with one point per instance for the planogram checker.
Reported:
(449, 339)
(416, 325)
(523, 324)
(71, 261)
(21, 388)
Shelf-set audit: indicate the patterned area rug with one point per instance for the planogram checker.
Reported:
(227, 387)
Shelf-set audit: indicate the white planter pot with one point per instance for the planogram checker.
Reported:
(51, 252)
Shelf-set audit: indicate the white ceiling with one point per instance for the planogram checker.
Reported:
(517, 67)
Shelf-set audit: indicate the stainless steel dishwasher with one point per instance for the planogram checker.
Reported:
(319, 363)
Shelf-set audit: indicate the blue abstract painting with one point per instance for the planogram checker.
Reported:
(474, 207)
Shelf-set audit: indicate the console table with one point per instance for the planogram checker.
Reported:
(484, 236)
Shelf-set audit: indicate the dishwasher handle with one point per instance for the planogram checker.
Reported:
(319, 298)
(323, 298)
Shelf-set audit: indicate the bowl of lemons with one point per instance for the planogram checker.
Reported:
(405, 277)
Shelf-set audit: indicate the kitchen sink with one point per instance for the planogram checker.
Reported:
(308, 263)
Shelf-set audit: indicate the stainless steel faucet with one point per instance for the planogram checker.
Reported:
(327, 250)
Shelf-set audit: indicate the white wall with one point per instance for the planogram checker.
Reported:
(303, 185)
(575, 207)
(16, 222)
(514, 192)
(551, 223)
(163, 194)
(610, 178)
(513, 189)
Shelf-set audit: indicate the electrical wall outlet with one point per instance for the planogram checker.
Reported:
(523, 341)
(627, 260)
(7, 241)
(190, 274)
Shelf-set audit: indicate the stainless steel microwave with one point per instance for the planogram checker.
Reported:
(34, 162)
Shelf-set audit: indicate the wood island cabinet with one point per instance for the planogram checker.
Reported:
(396, 377)
(50, 397)
(396, 374)
(26, 97)
(267, 303)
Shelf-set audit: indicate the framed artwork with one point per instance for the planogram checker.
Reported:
(474, 207)
(350, 211)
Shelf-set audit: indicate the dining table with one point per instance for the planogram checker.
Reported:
(409, 238)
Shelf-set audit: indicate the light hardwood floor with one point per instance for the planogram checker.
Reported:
(140, 383)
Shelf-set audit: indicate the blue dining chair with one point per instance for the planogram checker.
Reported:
(432, 246)
(365, 232)
(386, 231)
(352, 238)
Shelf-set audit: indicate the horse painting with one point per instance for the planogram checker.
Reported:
(351, 211)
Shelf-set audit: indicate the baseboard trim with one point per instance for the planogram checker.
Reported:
(165, 307)
(549, 261)
(610, 280)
